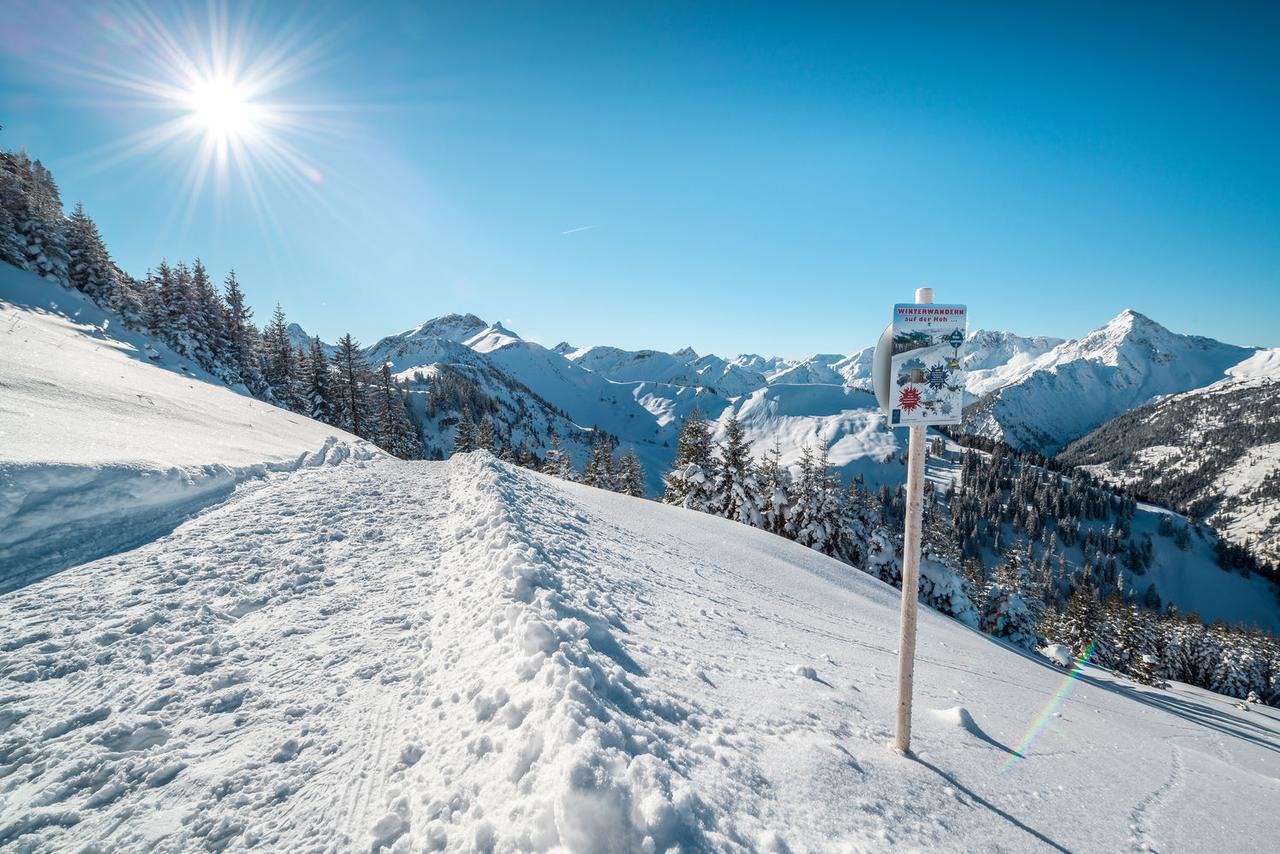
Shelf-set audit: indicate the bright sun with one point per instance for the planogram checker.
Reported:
(221, 108)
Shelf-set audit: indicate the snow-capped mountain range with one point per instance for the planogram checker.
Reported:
(1034, 393)
(1042, 404)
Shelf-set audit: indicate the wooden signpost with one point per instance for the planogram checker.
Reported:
(919, 382)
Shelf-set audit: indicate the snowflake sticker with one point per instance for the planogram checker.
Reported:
(909, 399)
(937, 377)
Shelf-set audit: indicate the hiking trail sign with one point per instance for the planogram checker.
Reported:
(926, 381)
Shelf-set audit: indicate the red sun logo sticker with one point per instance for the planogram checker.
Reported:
(909, 399)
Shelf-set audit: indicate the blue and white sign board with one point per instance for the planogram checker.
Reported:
(925, 381)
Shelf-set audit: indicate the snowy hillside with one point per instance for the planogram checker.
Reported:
(846, 421)
(469, 656)
(993, 359)
(728, 378)
(107, 437)
(1043, 404)
(1214, 452)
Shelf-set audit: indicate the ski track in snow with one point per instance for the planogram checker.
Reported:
(467, 656)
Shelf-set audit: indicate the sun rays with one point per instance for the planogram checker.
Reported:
(219, 99)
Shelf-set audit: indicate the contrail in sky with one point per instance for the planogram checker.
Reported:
(579, 228)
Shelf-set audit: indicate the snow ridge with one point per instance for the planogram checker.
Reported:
(587, 756)
(57, 515)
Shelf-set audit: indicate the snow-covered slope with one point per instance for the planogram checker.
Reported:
(1043, 404)
(467, 656)
(686, 368)
(819, 368)
(845, 420)
(993, 359)
(107, 437)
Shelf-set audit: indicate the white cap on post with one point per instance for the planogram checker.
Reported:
(924, 295)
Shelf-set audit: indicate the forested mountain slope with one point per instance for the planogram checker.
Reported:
(1213, 453)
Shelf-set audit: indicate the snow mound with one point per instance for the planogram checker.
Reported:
(1059, 654)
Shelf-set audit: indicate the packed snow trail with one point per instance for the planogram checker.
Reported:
(469, 656)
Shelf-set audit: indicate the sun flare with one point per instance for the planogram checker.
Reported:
(221, 108)
(224, 98)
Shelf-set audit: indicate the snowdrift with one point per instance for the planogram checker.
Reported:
(107, 438)
(470, 656)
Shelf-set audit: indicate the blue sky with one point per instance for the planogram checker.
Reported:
(734, 177)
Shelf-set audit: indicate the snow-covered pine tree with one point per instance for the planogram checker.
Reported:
(180, 310)
(395, 433)
(558, 463)
(736, 493)
(242, 336)
(632, 474)
(91, 270)
(598, 469)
(486, 435)
(1006, 615)
(278, 360)
(13, 203)
(210, 324)
(774, 483)
(320, 402)
(464, 435)
(1082, 621)
(816, 513)
(42, 226)
(351, 380)
(690, 483)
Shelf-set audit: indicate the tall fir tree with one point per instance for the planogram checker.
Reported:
(631, 475)
(42, 226)
(558, 462)
(91, 270)
(691, 481)
(598, 469)
(774, 483)
(464, 436)
(321, 403)
(351, 388)
(209, 327)
(242, 336)
(486, 435)
(279, 361)
(736, 493)
(396, 434)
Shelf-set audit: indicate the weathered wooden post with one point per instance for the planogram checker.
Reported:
(918, 382)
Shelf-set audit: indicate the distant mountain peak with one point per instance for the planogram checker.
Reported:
(1130, 319)
(454, 327)
(686, 353)
(498, 328)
